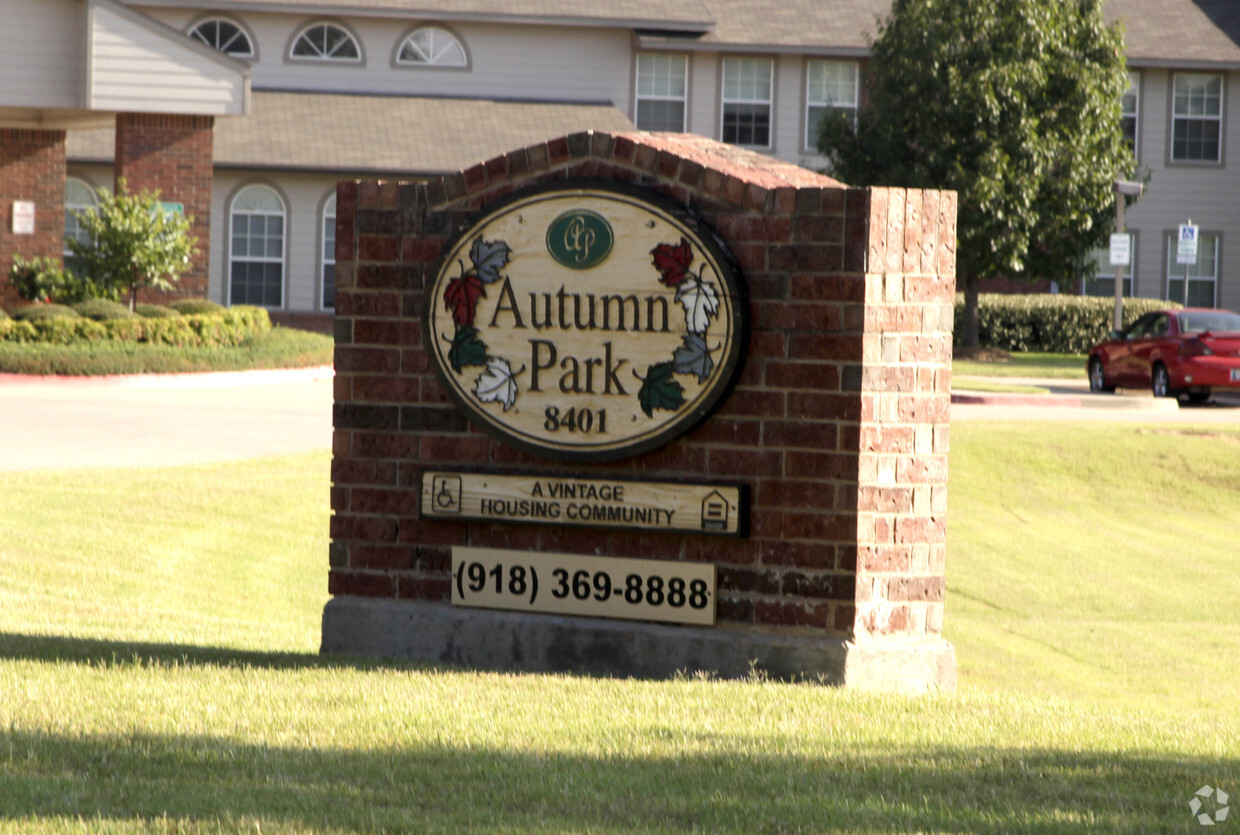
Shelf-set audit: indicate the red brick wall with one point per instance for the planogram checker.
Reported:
(32, 167)
(838, 422)
(172, 154)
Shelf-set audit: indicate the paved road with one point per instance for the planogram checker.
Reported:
(184, 419)
(162, 421)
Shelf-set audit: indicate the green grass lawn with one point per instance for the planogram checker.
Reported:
(1031, 364)
(158, 671)
(276, 348)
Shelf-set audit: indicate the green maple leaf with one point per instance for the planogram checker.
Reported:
(466, 349)
(659, 390)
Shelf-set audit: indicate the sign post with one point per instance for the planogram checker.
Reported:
(1123, 189)
(1186, 251)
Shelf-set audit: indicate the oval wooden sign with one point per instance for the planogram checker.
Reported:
(586, 321)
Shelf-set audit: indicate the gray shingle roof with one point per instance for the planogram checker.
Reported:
(1179, 32)
(399, 136)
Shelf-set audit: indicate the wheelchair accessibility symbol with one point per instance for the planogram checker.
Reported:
(446, 490)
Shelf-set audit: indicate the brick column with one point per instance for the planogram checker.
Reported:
(174, 155)
(32, 168)
(837, 424)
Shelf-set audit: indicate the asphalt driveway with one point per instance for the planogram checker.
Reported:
(162, 421)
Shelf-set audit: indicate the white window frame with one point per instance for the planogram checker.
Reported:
(249, 194)
(1174, 273)
(443, 43)
(1103, 271)
(817, 104)
(1182, 107)
(1132, 96)
(659, 81)
(215, 41)
(324, 53)
(740, 63)
(327, 251)
(84, 189)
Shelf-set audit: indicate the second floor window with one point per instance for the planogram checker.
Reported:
(431, 46)
(326, 42)
(1197, 117)
(225, 36)
(747, 85)
(828, 85)
(661, 89)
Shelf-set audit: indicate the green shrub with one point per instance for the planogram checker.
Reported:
(1052, 323)
(39, 279)
(187, 307)
(155, 311)
(101, 310)
(227, 328)
(37, 312)
(3, 315)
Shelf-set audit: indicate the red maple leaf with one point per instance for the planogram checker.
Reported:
(673, 261)
(462, 295)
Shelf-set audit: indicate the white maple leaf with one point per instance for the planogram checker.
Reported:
(701, 304)
(497, 384)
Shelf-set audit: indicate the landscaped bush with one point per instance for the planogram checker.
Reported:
(36, 312)
(188, 307)
(1053, 323)
(102, 310)
(225, 329)
(155, 311)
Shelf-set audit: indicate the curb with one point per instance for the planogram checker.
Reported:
(208, 379)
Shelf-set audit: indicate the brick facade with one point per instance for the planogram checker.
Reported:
(172, 154)
(32, 167)
(838, 423)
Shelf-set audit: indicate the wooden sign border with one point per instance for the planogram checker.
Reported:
(733, 362)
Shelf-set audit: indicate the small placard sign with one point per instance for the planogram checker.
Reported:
(588, 502)
(572, 584)
(23, 217)
(1121, 250)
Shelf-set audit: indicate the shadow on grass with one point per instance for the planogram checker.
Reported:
(220, 782)
(59, 648)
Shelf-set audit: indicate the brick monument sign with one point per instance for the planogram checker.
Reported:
(636, 404)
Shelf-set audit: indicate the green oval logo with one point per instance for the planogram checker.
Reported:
(580, 239)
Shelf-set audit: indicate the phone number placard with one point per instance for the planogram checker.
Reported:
(571, 584)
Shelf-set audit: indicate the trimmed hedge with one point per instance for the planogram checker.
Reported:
(101, 310)
(187, 307)
(37, 312)
(155, 311)
(1051, 323)
(228, 328)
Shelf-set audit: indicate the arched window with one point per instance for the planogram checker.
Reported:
(225, 36)
(432, 46)
(79, 197)
(325, 42)
(328, 271)
(256, 247)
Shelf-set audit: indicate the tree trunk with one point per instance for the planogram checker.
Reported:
(969, 335)
(133, 298)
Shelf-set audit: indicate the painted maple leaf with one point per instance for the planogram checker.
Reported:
(693, 357)
(672, 261)
(461, 296)
(489, 258)
(497, 384)
(466, 349)
(659, 390)
(701, 304)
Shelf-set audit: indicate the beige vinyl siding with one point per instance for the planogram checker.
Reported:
(1176, 192)
(506, 62)
(43, 53)
(140, 70)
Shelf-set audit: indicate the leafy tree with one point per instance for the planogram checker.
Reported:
(1015, 105)
(133, 243)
